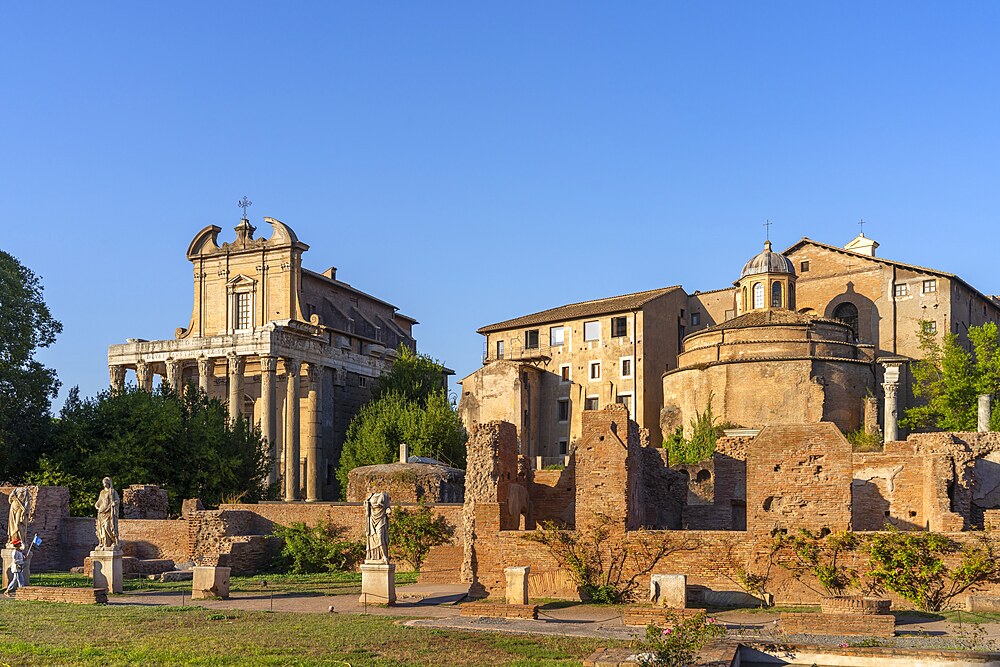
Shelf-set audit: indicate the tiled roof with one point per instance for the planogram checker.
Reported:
(574, 311)
(766, 318)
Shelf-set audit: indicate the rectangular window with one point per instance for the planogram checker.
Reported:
(243, 311)
(556, 336)
(626, 367)
(930, 286)
(592, 330)
(362, 381)
(626, 400)
(930, 327)
(564, 373)
(499, 349)
(590, 403)
(900, 290)
(531, 339)
(803, 266)
(562, 447)
(595, 370)
(563, 412)
(619, 327)
(695, 319)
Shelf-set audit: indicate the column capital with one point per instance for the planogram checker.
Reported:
(236, 362)
(205, 364)
(268, 364)
(890, 389)
(292, 366)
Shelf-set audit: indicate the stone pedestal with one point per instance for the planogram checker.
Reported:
(210, 582)
(107, 569)
(517, 584)
(8, 558)
(378, 583)
(668, 590)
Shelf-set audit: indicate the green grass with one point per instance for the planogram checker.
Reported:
(331, 583)
(39, 633)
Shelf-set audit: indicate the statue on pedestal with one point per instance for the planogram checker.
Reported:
(377, 511)
(17, 519)
(107, 516)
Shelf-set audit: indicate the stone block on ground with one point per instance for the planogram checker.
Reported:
(108, 570)
(640, 616)
(490, 610)
(210, 582)
(174, 575)
(378, 583)
(982, 603)
(154, 566)
(63, 594)
(517, 584)
(668, 590)
(851, 625)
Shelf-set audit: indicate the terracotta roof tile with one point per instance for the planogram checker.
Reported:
(765, 318)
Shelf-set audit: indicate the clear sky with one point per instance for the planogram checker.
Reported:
(475, 161)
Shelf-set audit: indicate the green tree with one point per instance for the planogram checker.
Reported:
(374, 434)
(185, 443)
(414, 376)
(412, 533)
(26, 386)
(320, 548)
(948, 379)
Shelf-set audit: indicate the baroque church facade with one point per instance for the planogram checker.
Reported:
(291, 349)
(801, 336)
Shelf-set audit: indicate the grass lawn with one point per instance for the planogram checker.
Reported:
(41, 633)
(331, 583)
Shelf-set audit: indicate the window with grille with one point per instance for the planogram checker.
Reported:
(758, 295)
(244, 312)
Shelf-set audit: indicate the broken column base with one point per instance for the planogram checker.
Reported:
(108, 571)
(378, 583)
(210, 582)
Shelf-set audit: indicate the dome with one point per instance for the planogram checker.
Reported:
(767, 262)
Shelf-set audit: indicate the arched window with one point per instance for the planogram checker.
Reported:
(776, 295)
(758, 295)
(848, 314)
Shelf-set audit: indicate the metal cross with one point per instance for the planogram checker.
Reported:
(244, 204)
(767, 230)
(862, 223)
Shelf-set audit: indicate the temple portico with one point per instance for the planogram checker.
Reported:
(292, 351)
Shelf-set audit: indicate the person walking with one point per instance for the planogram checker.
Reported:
(16, 576)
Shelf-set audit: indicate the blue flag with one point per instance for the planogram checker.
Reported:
(37, 541)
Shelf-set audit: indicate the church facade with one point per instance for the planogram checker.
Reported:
(801, 336)
(291, 349)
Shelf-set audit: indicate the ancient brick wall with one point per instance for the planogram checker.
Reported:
(49, 508)
(799, 477)
(408, 483)
(144, 501)
(142, 538)
(889, 488)
(553, 495)
(608, 469)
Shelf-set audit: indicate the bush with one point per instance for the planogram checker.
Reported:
(678, 644)
(816, 556)
(864, 441)
(320, 548)
(913, 565)
(412, 533)
(701, 445)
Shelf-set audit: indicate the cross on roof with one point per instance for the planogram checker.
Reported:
(767, 230)
(862, 223)
(244, 204)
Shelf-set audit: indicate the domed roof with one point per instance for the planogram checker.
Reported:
(767, 262)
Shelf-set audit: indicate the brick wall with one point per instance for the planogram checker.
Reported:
(607, 465)
(553, 495)
(49, 508)
(142, 538)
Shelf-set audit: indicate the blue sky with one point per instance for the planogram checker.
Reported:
(470, 162)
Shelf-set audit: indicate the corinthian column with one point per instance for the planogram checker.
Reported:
(144, 375)
(236, 366)
(174, 374)
(292, 430)
(206, 369)
(117, 377)
(268, 418)
(313, 419)
(891, 390)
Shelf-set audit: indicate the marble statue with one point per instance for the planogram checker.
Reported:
(107, 516)
(17, 520)
(377, 511)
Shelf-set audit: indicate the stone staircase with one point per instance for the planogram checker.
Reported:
(443, 565)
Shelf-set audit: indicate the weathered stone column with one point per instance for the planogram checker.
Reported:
(292, 430)
(268, 418)
(985, 412)
(117, 377)
(890, 389)
(144, 375)
(174, 374)
(236, 366)
(206, 370)
(314, 418)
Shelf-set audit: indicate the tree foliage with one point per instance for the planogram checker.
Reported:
(184, 443)
(948, 379)
(412, 534)
(320, 548)
(26, 386)
(410, 406)
(705, 432)
(812, 556)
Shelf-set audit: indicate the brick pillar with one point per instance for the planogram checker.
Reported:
(206, 369)
(268, 416)
(314, 420)
(117, 377)
(292, 430)
(236, 366)
(144, 375)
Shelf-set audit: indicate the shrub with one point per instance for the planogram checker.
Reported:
(677, 645)
(701, 445)
(412, 533)
(808, 555)
(865, 441)
(913, 565)
(320, 548)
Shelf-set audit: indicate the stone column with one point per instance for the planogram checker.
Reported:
(206, 370)
(985, 412)
(292, 430)
(268, 418)
(890, 388)
(174, 374)
(117, 377)
(144, 375)
(314, 419)
(236, 366)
